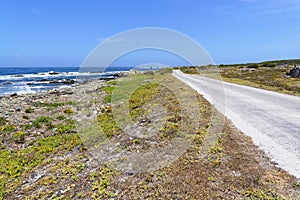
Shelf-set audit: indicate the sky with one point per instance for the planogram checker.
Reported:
(64, 32)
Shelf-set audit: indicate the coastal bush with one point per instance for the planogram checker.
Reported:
(189, 70)
(70, 103)
(108, 125)
(65, 128)
(141, 96)
(108, 89)
(29, 110)
(269, 65)
(165, 71)
(2, 121)
(69, 111)
(41, 120)
(8, 128)
(25, 117)
(253, 66)
(61, 117)
(49, 105)
(112, 82)
(261, 194)
(19, 137)
(26, 126)
(100, 186)
(15, 163)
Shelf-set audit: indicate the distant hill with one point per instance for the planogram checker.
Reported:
(267, 63)
(282, 62)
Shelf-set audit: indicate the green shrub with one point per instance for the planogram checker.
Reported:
(15, 163)
(2, 121)
(8, 128)
(41, 120)
(69, 111)
(19, 137)
(269, 65)
(50, 105)
(253, 66)
(25, 117)
(61, 117)
(29, 110)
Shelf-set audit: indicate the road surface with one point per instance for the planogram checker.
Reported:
(271, 119)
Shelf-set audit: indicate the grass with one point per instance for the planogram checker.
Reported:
(52, 105)
(16, 163)
(108, 89)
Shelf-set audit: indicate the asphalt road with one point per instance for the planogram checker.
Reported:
(271, 119)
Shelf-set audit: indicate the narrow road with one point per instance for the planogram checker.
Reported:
(271, 119)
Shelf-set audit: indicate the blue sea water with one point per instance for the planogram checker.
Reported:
(35, 79)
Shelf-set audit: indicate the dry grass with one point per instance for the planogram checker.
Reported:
(263, 77)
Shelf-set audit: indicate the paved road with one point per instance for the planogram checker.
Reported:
(270, 118)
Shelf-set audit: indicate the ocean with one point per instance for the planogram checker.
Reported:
(23, 80)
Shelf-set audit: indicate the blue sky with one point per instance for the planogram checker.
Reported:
(63, 32)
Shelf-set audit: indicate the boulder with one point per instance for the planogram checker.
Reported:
(294, 73)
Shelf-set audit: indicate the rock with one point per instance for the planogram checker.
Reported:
(54, 82)
(145, 120)
(7, 83)
(65, 81)
(53, 73)
(59, 193)
(14, 95)
(42, 80)
(34, 177)
(294, 73)
(68, 81)
(19, 75)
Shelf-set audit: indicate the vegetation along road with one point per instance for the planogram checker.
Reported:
(271, 119)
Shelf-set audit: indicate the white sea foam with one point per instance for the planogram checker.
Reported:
(47, 75)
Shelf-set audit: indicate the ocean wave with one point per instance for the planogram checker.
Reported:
(50, 74)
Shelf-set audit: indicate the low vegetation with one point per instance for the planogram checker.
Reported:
(263, 77)
(266, 75)
(43, 157)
